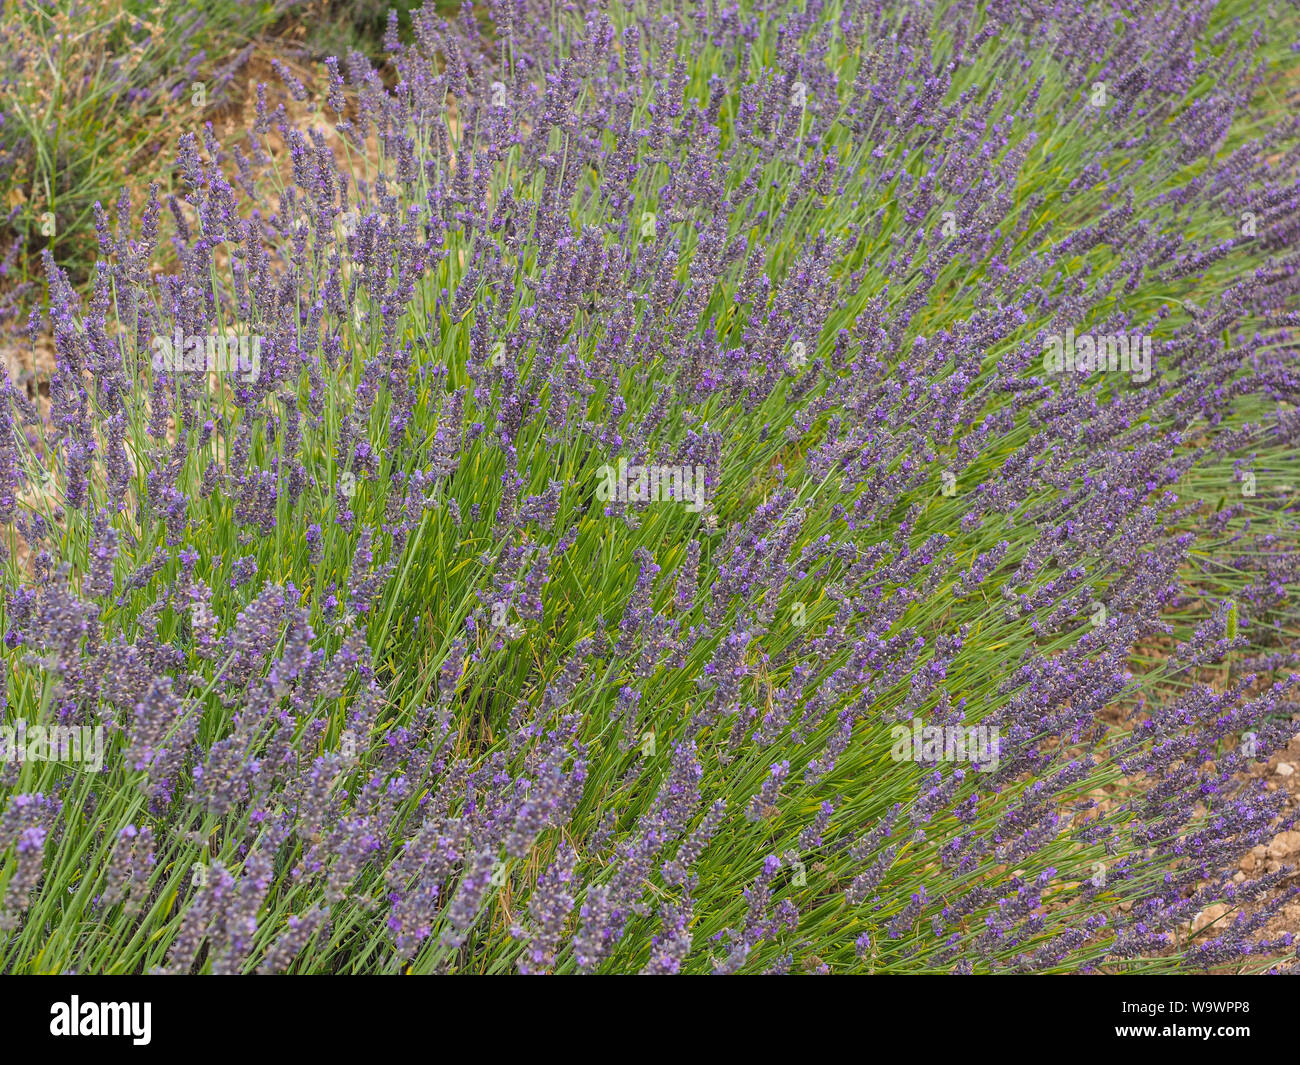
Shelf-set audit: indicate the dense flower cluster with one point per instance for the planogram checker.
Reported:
(388, 686)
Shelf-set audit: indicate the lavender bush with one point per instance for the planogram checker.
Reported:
(89, 90)
(644, 528)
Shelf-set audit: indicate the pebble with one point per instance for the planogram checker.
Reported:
(1286, 844)
(1284, 769)
(1208, 916)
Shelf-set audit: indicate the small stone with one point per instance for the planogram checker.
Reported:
(1208, 916)
(1284, 769)
(1285, 845)
(1238, 877)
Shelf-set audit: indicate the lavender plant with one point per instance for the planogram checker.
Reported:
(644, 528)
(89, 91)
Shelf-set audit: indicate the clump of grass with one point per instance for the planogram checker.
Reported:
(338, 28)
